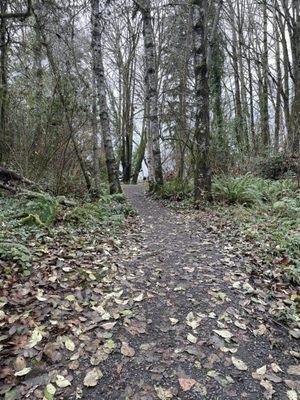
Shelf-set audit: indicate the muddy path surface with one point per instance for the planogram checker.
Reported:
(197, 325)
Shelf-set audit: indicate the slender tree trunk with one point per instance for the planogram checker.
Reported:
(286, 76)
(251, 100)
(202, 172)
(156, 176)
(182, 122)
(128, 112)
(216, 104)
(3, 80)
(140, 154)
(38, 78)
(265, 128)
(96, 155)
(240, 54)
(101, 92)
(278, 94)
(239, 117)
(295, 115)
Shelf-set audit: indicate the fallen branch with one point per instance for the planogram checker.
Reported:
(7, 175)
(8, 188)
(28, 194)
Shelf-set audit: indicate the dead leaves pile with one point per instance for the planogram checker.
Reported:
(63, 315)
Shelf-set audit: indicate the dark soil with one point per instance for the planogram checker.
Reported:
(186, 266)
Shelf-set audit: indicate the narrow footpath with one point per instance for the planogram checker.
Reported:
(198, 326)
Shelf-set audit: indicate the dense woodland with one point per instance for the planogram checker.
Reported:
(149, 199)
(96, 91)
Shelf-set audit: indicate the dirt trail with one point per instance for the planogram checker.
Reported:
(192, 335)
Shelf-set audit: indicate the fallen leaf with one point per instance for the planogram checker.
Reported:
(126, 350)
(295, 333)
(229, 350)
(248, 288)
(20, 363)
(261, 370)
(92, 377)
(223, 333)
(275, 367)
(192, 321)
(163, 394)
(108, 325)
(294, 370)
(69, 343)
(23, 372)
(240, 325)
(239, 364)
(36, 337)
(267, 385)
(49, 392)
(201, 389)
(191, 338)
(62, 382)
(138, 298)
(186, 383)
(212, 373)
(261, 330)
(292, 395)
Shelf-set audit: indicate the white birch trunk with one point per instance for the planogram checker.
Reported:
(101, 92)
(155, 165)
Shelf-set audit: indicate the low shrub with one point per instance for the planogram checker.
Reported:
(45, 209)
(233, 190)
(277, 167)
(11, 251)
(176, 190)
(108, 210)
(250, 190)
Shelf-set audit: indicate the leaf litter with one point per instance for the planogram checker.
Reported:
(83, 316)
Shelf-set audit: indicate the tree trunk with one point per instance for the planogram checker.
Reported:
(265, 128)
(156, 176)
(101, 92)
(251, 106)
(3, 80)
(286, 75)
(140, 153)
(202, 173)
(38, 78)
(278, 94)
(295, 114)
(240, 55)
(182, 123)
(128, 112)
(239, 117)
(96, 156)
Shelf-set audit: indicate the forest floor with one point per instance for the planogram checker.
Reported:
(180, 311)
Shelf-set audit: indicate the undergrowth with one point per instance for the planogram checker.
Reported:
(175, 190)
(26, 226)
(267, 211)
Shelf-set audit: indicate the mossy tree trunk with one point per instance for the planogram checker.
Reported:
(202, 170)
